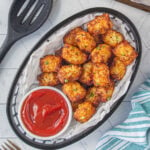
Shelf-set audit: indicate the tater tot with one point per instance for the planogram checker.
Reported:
(86, 76)
(110, 89)
(101, 75)
(101, 54)
(117, 69)
(50, 63)
(97, 38)
(84, 112)
(112, 38)
(100, 24)
(125, 52)
(48, 79)
(85, 41)
(70, 37)
(73, 55)
(69, 73)
(105, 93)
(102, 92)
(75, 105)
(92, 96)
(74, 91)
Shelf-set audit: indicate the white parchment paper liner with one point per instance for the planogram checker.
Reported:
(53, 43)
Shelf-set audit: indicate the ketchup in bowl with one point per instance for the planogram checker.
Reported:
(44, 112)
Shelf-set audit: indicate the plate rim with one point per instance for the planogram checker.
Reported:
(49, 33)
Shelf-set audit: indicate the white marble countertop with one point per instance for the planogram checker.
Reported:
(61, 10)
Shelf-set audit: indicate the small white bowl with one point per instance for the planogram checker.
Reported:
(67, 123)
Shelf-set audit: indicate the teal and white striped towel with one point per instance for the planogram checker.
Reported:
(133, 133)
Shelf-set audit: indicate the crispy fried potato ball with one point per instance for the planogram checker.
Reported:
(48, 79)
(73, 55)
(92, 96)
(85, 41)
(101, 54)
(74, 91)
(69, 73)
(75, 105)
(84, 112)
(105, 93)
(100, 24)
(86, 76)
(110, 89)
(97, 38)
(117, 69)
(125, 52)
(102, 92)
(70, 37)
(50, 63)
(112, 38)
(101, 75)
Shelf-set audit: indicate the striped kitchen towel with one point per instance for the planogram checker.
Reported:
(134, 132)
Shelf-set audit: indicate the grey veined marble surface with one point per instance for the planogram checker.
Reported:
(61, 10)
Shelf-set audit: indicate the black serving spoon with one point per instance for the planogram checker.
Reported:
(25, 17)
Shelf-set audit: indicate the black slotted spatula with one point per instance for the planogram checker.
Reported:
(25, 17)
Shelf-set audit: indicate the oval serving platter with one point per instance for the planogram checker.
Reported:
(12, 102)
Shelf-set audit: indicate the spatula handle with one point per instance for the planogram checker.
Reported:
(6, 46)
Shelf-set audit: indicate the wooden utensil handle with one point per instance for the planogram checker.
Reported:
(136, 5)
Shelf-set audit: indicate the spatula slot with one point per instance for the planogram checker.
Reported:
(30, 11)
(26, 2)
(25, 10)
(28, 15)
(37, 14)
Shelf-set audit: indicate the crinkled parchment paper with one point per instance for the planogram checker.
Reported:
(55, 42)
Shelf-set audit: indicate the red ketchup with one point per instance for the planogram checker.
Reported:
(44, 112)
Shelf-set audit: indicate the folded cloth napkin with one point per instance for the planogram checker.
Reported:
(133, 133)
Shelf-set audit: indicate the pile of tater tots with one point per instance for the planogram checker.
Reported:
(88, 65)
